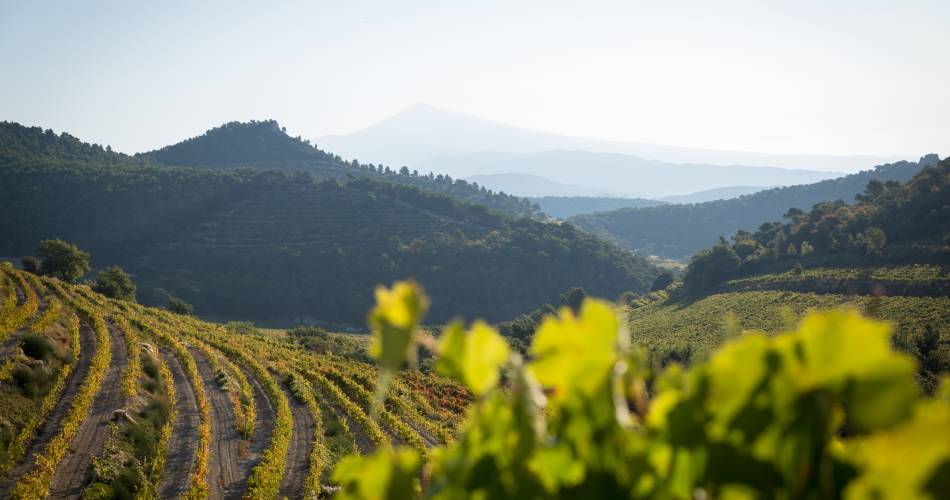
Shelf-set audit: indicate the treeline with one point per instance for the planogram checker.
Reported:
(281, 246)
(890, 223)
(20, 145)
(679, 231)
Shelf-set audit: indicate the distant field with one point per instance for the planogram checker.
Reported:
(704, 324)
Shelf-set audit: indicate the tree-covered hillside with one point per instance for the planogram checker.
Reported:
(264, 144)
(678, 231)
(279, 246)
(563, 207)
(892, 222)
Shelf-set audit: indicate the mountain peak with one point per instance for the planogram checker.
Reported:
(238, 143)
(423, 132)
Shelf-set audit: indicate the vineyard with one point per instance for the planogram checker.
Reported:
(701, 325)
(109, 399)
(915, 280)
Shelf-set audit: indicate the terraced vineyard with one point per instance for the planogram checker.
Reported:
(105, 398)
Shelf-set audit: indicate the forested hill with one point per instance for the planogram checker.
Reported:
(242, 144)
(891, 223)
(264, 144)
(279, 246)
(678, 231)
(20, 145)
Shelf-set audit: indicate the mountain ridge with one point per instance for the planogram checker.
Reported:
(400, 138)
(678, 231)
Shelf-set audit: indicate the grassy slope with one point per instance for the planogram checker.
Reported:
(704, 323)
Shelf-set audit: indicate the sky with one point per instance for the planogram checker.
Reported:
(840, 77)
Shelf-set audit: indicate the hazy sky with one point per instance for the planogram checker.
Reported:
(866, 77)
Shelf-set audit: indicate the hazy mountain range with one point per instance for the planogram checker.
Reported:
(535, 186)
(724, 193)
(616, 174)
(420, 133)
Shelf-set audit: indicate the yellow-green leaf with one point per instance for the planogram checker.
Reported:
(576, 352)
(394, 321)
(473, 358)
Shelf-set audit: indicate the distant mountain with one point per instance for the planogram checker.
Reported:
(530, 185)
(420, 133)
(620, 174)
(283, 246)
(724, 193)
(265, 144)
(678, 231)
(563, 207)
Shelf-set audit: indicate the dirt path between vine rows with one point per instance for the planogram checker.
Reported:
(225, 474)
(74, 469)
(183, 443)
(53, 423)
(298, 454)
(266, 418)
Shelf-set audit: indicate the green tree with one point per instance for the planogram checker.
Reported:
(807, 249)
(711, 267)
(63, 260)
(661, 282)
(873, 240)
(116, 283)
(572, 298)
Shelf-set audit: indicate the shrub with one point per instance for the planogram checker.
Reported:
(179, 306)
(31, 265)
(115, 283)
(36, 346)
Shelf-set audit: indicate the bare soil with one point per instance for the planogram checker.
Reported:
(74, 470)
(298, 454)
(53, 424)
(183, 443)
(226, 476)
(264, 425)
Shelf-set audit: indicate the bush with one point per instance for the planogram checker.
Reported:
(32, 381)
(179, 306)
(242, 327)
(36, 346)
(115, 283)
(31, 265)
